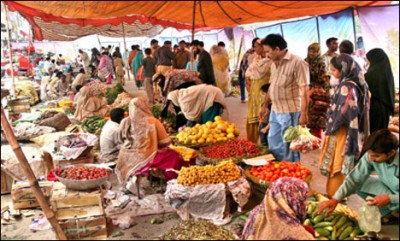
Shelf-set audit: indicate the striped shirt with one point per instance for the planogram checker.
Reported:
(287, 79)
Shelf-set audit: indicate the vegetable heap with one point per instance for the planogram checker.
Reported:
(93, 124)
(225, 171)
(197, 230)
(301, 139)
(335, 226)
(83, 172)
(113, 92)
(211, 132)
(272, 171)
(232, 148)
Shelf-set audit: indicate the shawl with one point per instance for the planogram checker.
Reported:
(259, 68)
(317, 66)
(281, 214)
(195, 100)
(380, 78)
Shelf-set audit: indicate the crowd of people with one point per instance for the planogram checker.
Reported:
(337, 95)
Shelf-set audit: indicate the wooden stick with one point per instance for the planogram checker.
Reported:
(123, 32)
(193, 29)
(9, 133)
(10, 53)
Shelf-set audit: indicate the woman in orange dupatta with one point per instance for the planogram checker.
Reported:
(144, 144)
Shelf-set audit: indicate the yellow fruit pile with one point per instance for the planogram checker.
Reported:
(211, 132)
(186, 153)
(225, 171)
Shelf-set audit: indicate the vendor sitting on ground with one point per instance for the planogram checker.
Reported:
(281, 214)
(90, 104)
(77, 95)
(383, 158)
(80, 79)
(143, 146)
(109, 147)
(62, 87)
(199, 104)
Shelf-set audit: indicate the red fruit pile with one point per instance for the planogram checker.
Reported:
(83, 172)
(232, 148)
(275, 170)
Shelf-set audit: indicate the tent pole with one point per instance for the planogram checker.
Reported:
(126, 49)
(10, 52)
(193, 23)
(240, 49)
(9, 133)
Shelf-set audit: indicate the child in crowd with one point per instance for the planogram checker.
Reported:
(264, 118)
(149, 69)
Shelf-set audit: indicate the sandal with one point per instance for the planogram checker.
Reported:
(390, 220)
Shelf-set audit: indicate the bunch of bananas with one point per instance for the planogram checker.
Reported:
(225, 171)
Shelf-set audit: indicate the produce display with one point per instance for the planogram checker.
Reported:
(272, 171)
(211, 132)
(93, 124)
(83, 172)
(232, 148)
(186, 153)
(122, 100)
(167, 122)
(301, 139)
(113, 92)
(72, 141)
(335, 226)
(225, 171)
(197, 230)
(371, 236)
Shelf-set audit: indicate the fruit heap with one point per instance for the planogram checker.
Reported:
(225, 171)
(272, 171)
(211, 132)
(232, 148)
(335, 226)
(186, 153)
(83, 172)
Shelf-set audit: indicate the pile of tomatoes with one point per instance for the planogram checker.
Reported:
(275, 170)
(83, 172)
(232, 148)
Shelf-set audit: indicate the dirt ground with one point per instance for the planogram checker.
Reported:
(147, 231)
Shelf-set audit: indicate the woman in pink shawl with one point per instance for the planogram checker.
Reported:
(106, 69)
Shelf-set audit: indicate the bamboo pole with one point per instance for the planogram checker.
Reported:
(126, 49)
(240, 49)
(10, 52)
(193, 28)
(9, 133)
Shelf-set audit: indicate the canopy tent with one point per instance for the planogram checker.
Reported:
(69, 20)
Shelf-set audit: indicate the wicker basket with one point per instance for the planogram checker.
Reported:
(265, 184)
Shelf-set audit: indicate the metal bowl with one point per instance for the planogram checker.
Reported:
(83, 185)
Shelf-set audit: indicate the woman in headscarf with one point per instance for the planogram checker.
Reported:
(106, 69)
(144, 141)
(136, 63)
(257, 75)
(220, 62)
(319, 91)
(347, 122)
(90, 104)
(199, 103)
(94, 60)
(281, 214)
(381, 84)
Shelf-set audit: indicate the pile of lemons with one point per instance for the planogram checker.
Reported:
(225, 171)
(210, 132)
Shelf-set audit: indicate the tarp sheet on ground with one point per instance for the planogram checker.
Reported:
(380, 29)
(104, 16)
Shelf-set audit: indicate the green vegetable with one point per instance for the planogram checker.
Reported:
(322, 232)
(341, 221)
(318, 218)
(355, 232)
(323, 224)
(308, 222)
(330, 218)
(346, 233)
(113, 92)
(333, 234)
(322, 238)
(336, 220)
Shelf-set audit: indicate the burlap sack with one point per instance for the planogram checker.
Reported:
(59, 122)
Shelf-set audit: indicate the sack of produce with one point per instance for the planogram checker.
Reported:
(57, 120)
(26, 131)
(301, 140)
(76, 145)
(47, 139)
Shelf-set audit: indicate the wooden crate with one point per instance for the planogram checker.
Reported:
(18, 106)
(23, 196)
(88, 159)
(6, 183)
(80, 214)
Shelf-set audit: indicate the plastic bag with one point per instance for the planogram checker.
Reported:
(369, 218)
(40, 224)
(301, 139)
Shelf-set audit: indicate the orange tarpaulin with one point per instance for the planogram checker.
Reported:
(45, 16)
